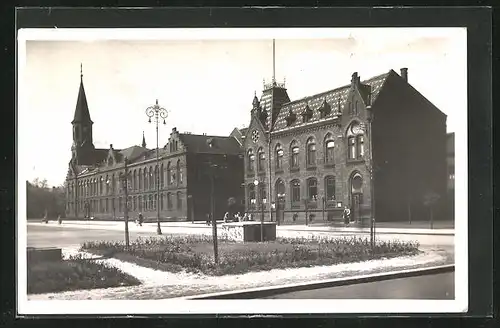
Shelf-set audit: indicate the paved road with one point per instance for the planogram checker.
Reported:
(49, 236)
(431, 287)
(68, 235)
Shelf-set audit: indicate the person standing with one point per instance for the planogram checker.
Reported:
(141, 219)
(346, 215)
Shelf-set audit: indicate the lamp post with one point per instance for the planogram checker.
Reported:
(212, 168)
(256, 183)
(74, 168)
(124, 179)
(372, 184)
(157, 112)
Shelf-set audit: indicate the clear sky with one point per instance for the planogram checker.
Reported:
(207, 79)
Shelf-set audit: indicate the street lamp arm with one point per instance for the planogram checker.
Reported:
(151, 110)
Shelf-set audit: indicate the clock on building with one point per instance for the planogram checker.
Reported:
(255, 135)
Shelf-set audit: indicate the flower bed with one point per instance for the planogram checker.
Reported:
(73, 274)
(195, 253)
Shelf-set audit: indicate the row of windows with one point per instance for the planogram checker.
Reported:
(136, 203)
(355, 144)
(324, 110)
(295, 191)
(138, 180)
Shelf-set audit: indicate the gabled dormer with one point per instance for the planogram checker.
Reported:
(325, 109)
(306, 114)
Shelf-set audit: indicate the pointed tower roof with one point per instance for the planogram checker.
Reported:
(143, 140)
(82, 113)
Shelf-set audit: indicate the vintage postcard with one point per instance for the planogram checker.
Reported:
(242, 170)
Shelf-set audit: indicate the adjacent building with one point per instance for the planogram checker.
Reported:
(450, 162)
(373, 145)
(189, 167)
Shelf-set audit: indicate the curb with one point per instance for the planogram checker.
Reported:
(262, 292)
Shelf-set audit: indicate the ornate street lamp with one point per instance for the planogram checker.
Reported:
(157, 112)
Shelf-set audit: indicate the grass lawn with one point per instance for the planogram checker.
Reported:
(195, 253)
(74, 274)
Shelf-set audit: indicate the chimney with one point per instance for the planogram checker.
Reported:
(111, 146)
(174, 130)
(404, 74)
(354, 79)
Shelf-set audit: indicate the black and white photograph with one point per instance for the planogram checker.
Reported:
(242, 170)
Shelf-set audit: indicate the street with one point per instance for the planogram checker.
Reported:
(72, 234)
(430, 287)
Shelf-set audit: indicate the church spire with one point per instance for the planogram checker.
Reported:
(143, 140)
(82, 114)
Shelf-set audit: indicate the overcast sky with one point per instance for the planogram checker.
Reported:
(207, 80)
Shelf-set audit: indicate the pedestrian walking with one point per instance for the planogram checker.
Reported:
(141, 219)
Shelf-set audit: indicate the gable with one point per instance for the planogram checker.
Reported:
(255, 128)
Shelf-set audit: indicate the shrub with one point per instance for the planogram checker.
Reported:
(73, 274)
(194, 253)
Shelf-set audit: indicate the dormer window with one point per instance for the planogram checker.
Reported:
(325, 109)
(306, 114)
(291, 118)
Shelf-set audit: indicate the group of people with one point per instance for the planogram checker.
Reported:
(236, 217)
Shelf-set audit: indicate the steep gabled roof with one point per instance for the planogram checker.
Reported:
(195, 143)
(335, 98)
(133, 152)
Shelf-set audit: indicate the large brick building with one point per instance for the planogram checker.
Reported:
(314, 155)
(187, 164)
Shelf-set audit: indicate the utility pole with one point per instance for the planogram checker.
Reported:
(212, 211)
(124, 178)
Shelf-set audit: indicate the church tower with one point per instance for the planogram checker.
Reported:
(83, 146)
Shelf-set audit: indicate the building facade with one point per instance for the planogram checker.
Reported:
(94, 187)
(378, 138)
(450, 161)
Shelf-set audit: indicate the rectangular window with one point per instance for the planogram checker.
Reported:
(361, 146)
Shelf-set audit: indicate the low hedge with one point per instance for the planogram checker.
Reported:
(74, 274)
(195, 253)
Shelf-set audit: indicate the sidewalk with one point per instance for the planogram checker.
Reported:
(416, 229)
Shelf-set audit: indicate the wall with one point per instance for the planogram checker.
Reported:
(409, 152)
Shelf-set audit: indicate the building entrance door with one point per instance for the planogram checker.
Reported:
(356, 206)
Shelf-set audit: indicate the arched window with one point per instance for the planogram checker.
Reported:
(151, 179)
(280, 189)
(139, 202)
(145, 177)
(262, 160)
(251, 195)
(151, 206)
(139, 177)
(356, 108)
(311, 152)
(295, 189)
(251, 160)
(329, 150)
(162, 202)
(134, 205)
(179, 200)
(262, 193)
(162, 177)
(312, 189)
(279, 157)
(157, 176)
(169, 201)
(168, 173)
(178, 170)
(294, 158)
(330, 188)
(355, 141)
(360, 145)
